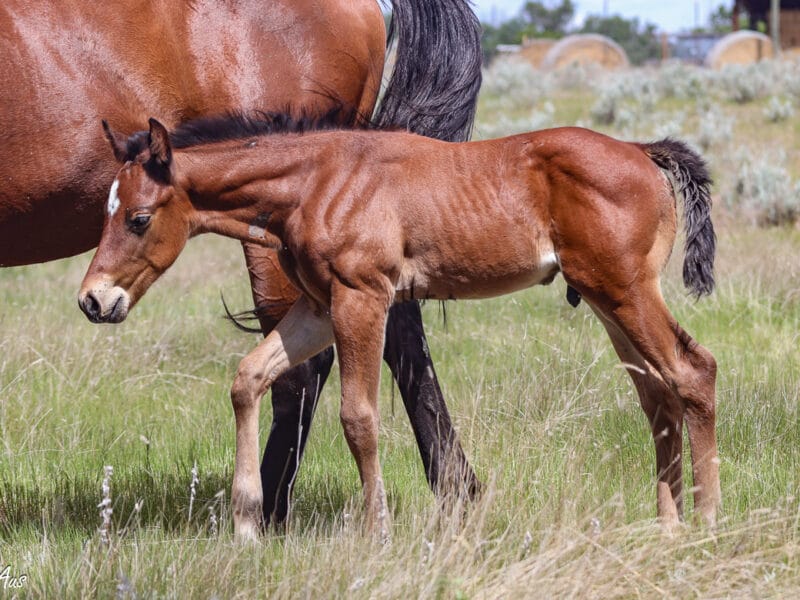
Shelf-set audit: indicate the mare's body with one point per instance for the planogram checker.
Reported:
(367, 219)
(67, 64)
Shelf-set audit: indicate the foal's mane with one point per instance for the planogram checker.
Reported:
(238, 125)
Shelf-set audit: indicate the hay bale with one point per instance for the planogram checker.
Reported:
(791, 53)
(584, 49)
(739, 48)
(534, 51)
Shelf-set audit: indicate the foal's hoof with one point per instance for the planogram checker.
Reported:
(247, 532)
(671, 527)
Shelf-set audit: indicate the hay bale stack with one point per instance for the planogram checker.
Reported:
(740, 48)
(584, 49)
(534, 51)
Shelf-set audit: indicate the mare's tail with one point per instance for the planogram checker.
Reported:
(690, 175)
(434, 86)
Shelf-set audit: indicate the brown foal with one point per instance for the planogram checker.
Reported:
(364, 219)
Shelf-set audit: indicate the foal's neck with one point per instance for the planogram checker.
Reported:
(248, 188)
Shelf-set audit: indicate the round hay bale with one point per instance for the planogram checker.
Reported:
(534, 51)
(584, 49)
(739, 48)
(791, 53)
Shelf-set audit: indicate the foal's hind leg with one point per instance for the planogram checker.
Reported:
(300, 334)
(359, 320)
(690, 372)
(663, 410)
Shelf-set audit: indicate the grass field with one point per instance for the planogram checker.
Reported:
(545, 413)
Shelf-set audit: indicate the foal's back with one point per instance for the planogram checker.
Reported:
(485, 218)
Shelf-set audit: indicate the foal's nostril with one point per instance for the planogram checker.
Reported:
(91, 307)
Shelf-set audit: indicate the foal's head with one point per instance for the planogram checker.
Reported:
(147, 224)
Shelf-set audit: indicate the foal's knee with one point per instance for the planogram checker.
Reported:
(360, 424)
(248, 385)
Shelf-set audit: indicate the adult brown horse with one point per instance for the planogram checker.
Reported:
(65, 64)
(366, 219)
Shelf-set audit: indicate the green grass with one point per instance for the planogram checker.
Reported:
(545, 413)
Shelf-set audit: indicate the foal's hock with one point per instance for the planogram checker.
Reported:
(364, 219)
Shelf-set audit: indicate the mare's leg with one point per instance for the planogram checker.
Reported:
(689, 371)
(406, 352)
(300, 334)
(359, 322)
(294, 402)
(665, 414)
(294, 394)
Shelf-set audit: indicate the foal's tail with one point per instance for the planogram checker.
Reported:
(437, 72)
(690, 174)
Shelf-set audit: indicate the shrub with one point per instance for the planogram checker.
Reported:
(576, 76)
(514, 83)
(604, 110)
(537, 119)
(668, 125)
(778, 110)
(678, 80)
(745, 83)
(764, 190)
(714, 128)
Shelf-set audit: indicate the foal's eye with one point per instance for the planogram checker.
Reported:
(139, 222)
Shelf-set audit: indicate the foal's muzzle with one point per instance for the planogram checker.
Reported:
(104, 304)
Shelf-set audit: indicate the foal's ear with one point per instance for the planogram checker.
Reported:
(158, 140)
(119, 143)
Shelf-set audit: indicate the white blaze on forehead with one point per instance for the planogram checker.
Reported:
(113, 199)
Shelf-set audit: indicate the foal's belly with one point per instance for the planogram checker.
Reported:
(421, 280)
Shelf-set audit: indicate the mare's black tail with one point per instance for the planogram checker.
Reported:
(690, 174)
(434, 86)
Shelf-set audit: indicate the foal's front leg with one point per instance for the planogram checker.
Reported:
(294, 394)
(302, 333)
(359, 322)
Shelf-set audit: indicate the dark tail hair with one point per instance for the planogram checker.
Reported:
(253, 315)
(434, 87)
(690, 174)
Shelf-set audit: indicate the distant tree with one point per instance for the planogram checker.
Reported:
(544, 20)
(536, 19)
(721, 20)
(507, 32)
(639, 41)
